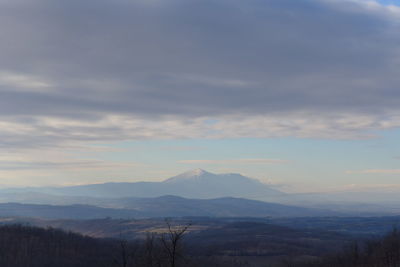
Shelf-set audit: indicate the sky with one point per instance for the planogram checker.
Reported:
(301, 94)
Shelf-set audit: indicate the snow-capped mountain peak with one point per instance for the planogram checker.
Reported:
(206, 184)
(190, 175)
(196, 172)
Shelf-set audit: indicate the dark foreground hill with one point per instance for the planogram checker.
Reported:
(23, 246)
(234, 245)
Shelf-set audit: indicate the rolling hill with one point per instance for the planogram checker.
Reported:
(166, 206)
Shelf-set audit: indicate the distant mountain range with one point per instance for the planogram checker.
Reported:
(193, 184)
(193, 193)
(167, 206)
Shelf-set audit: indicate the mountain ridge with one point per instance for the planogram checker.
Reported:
(197, 183)
(164, 206)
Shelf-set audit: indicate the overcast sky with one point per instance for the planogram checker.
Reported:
(294, 92)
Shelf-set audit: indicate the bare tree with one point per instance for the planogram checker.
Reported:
(127, 253)
(151, 255)
(172, 242)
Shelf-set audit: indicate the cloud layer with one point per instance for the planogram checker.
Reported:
(100, 70)
(376, 171)
(233, 161)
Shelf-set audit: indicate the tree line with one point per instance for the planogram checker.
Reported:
(27, 246)
(383, 252)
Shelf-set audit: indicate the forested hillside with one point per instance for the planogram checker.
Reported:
(25, 246)
(384, 252)
(172, 246)
(22, 246)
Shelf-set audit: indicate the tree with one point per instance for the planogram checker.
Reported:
(127, 254)
(172, 242)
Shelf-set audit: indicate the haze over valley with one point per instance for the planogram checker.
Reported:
(193, 193)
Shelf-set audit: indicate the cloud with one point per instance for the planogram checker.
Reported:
(181, 148)
(235, 161)
(20, 82)
(48, 159)
(66, 165)
(78, 165)
(44, 131)
(124, 70)
(376, 171)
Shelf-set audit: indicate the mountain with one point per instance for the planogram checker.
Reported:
(221, 207)
(63, 212)
(165, 206)
(193, 184)
(200, 184)
(203, 184)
